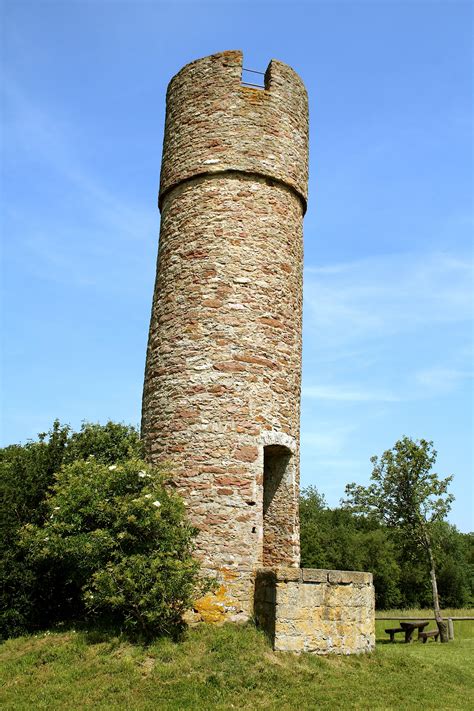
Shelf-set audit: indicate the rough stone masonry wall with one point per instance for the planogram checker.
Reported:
(214, 124)
(223, 364)
(319, 611)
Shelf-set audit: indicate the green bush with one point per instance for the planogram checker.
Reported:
(120, 539)
(105, 540)
(110, 443)
(27, 471)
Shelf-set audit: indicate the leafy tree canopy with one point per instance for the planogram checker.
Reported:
(407, 495)
(405, 492)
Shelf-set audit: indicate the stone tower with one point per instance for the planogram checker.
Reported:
(221, 400)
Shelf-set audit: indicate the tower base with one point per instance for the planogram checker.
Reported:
(318, 611)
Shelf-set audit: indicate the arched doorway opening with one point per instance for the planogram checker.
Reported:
(278, 506)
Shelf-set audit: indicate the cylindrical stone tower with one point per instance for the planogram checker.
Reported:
(221, 401)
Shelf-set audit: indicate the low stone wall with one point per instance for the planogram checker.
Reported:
(319, 611)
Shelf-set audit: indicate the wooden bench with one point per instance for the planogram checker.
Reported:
(392, 631)
(430, 633)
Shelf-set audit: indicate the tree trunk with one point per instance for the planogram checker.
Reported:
(442, 624)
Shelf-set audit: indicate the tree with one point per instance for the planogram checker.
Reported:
(405, 494)
(26, 473)
(338, 539)
(452, 570)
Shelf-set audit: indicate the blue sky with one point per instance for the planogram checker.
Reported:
(388, 330)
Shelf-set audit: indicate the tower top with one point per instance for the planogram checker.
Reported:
(216, 124)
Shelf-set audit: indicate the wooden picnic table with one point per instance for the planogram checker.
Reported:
(431, 633)
(408, 628)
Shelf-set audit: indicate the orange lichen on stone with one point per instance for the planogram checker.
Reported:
(212, 607)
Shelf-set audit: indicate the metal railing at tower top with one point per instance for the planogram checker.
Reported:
(247, 83)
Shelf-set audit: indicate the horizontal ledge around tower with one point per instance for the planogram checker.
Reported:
(230, 172)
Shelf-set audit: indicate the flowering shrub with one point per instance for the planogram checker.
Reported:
(29, 591)
(121, 542)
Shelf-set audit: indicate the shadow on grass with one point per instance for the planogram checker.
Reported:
(106, 632)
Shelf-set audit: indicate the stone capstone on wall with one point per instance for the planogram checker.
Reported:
(318, 611)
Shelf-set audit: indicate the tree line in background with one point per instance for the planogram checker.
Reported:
(339, 539)
(88, 531)
(395, 528)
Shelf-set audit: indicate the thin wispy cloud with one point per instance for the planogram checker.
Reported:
(343, 394)
(327, 438)
(383, 336)
(92, 224)
(441, 379)
(378, 320)
(388, 295)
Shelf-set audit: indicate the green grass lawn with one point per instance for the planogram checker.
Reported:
(230, 667)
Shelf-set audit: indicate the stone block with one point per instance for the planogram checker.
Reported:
(287, 643)
(311, 596)
(314, 575)
(287, 574)
(345, 577)
(337, 595)
(325, 617)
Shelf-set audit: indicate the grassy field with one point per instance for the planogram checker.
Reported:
(229, 668)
